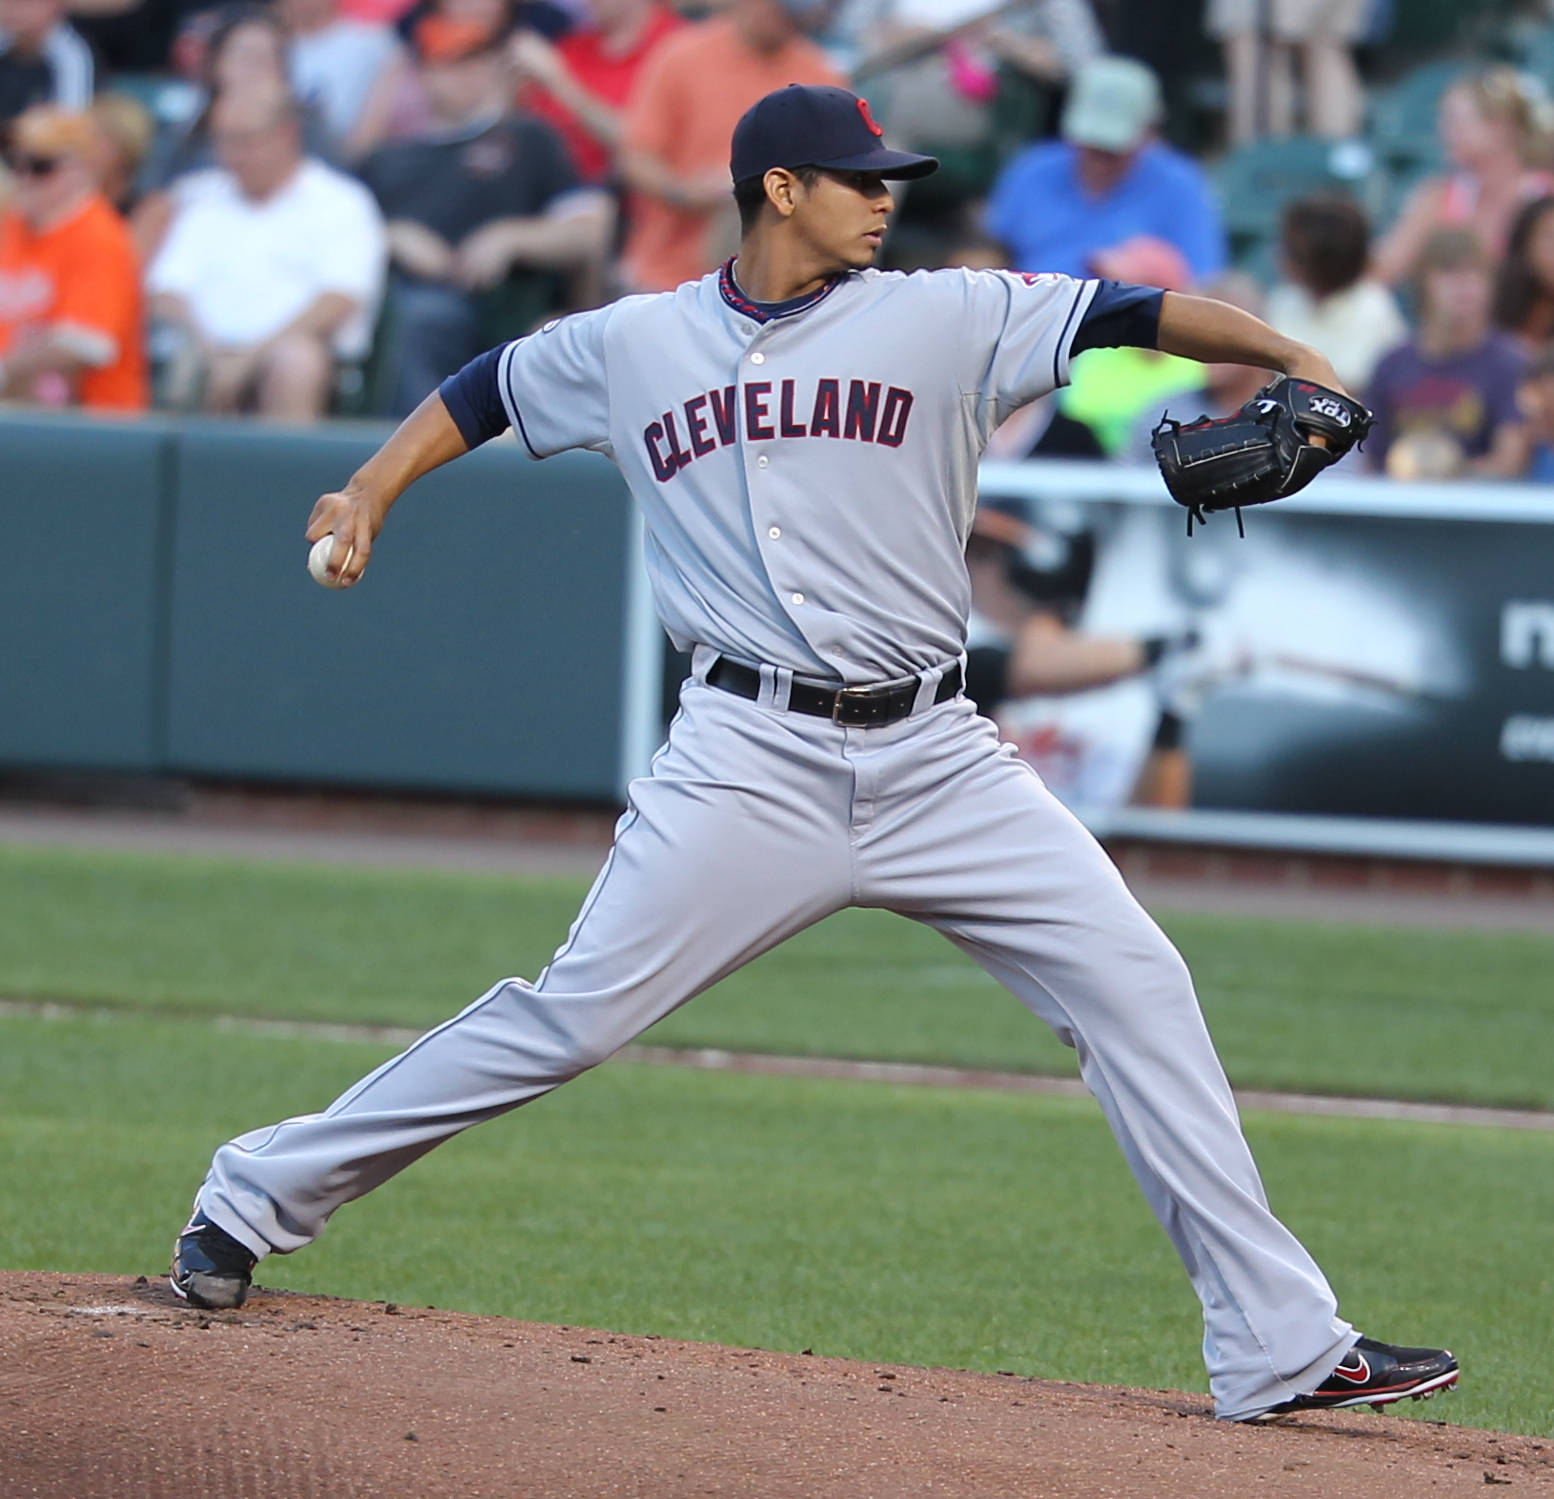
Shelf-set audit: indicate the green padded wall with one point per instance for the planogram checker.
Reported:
(482, 652)
(84, 530)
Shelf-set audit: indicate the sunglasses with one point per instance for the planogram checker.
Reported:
(26, 165)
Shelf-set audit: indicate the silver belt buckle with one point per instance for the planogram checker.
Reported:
(863, 696)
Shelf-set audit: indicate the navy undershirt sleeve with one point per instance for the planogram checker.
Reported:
(474, 401)
(1120, 316)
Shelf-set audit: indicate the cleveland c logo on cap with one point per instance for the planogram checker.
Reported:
(868, 119)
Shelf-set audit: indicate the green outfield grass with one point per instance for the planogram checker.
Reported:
(1425, 1014)
(931, 1226)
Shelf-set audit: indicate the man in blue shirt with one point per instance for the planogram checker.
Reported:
(1108, 180)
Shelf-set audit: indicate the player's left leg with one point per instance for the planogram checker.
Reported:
(735, 841)
(967, 839)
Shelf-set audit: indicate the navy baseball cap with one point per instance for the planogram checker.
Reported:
(809, 125)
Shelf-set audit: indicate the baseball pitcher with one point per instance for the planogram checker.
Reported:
(801, 432)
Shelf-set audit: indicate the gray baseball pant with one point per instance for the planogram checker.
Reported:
(755, 823)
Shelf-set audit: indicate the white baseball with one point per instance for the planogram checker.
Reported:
(318, 560)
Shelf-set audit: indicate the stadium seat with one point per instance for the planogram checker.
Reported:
(518, 305)
(365, 388)
(169, 101)
(1534, 51)
(1255, 181)
(1403, 117)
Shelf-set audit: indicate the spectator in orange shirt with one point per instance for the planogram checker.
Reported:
(687, 101)
(70, 306)
(581, 84)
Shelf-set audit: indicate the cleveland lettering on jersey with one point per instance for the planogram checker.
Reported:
(765, 410)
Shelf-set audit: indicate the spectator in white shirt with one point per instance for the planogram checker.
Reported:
(351, 70)
(273, 267)
(43, 59)
(1326, 299)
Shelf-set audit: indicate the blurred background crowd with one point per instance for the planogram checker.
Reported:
(314, 208)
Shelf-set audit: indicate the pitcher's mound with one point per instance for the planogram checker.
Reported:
(112, 1389)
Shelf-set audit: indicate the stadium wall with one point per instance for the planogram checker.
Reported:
(156, 619)
(157, 616)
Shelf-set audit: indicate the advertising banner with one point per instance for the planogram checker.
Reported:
(1369, 648)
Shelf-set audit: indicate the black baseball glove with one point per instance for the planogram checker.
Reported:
(1262, 453)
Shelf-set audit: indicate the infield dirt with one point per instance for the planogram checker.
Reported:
(112, 1389)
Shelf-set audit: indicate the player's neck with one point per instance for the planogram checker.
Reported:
(772, 271)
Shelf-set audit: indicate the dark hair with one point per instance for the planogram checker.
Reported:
(750, 195)
(1518, 287)
(231, 18)
(1327, 242)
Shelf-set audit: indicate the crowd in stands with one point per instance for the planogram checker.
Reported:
(301, 208)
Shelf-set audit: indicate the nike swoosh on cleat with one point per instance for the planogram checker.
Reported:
(1355, 1376)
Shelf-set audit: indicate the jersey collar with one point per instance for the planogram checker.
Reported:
(765, 312)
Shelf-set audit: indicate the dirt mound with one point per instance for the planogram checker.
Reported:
(110, 1387)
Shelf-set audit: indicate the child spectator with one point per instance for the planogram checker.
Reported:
(1535, 397)
(1108, 180)
(483, 193)
(272, 269)
(1326, 299)
(42, 59)
(581, 84)
(1524, 289)
(1456, 378)
(1496, 130)
(70, 305)
(674, 147)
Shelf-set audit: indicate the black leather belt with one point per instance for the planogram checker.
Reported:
(852, 707)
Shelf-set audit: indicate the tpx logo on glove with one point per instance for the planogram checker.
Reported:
(1334, 411)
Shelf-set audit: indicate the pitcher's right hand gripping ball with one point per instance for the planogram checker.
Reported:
(1263, 452)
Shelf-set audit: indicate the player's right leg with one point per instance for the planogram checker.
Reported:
(968, 840)
(736, 840)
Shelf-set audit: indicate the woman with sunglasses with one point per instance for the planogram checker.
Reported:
(70, 303)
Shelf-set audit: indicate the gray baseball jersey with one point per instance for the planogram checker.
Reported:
(808, 478)
(806, 474)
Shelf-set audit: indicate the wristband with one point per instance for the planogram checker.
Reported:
(1155, 646)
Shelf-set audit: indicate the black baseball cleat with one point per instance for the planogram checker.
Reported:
(1375, 1374)
(210, 1268)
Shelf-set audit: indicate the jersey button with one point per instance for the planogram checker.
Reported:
(758, 357)
(774, 532)
(761, 461)
(798, 598)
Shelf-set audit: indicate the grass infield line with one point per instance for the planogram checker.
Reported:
(909, 1074)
